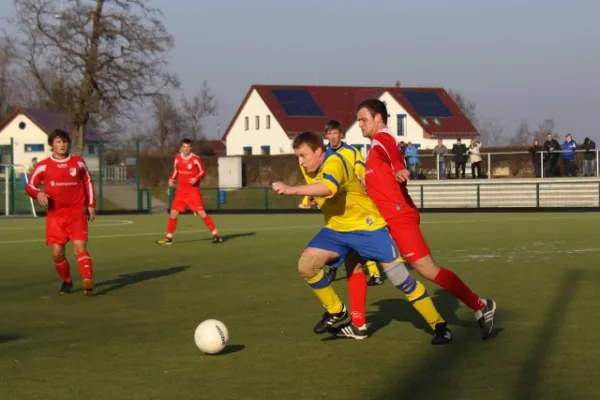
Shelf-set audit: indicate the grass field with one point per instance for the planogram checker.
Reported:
(135, 339)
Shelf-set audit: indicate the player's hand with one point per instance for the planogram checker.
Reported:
(91, 214)
(282, 188)
(171, 182)
(42, 198)
(403, 175)
(193, 181)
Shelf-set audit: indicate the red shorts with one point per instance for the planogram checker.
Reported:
(406, 232)
(191, 200)
(63, 228)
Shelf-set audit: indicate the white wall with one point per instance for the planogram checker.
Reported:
(274, 136)
(413, 132)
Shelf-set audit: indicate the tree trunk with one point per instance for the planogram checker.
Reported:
(77, 139)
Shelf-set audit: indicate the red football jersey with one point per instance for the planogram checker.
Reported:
(384, 159)
(67, 183)
(187, 168)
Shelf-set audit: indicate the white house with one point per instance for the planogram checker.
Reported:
(29, 129)
(270, 116)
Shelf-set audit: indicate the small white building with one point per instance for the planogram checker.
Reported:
(271, 115)
(29, 130)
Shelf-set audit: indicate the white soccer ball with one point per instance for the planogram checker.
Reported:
(211, 336)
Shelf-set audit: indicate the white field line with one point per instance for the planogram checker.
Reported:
(98, 223)
(285, 228)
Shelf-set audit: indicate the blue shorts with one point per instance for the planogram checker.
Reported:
(375, 245)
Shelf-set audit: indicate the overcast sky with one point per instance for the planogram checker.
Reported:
(516, 59)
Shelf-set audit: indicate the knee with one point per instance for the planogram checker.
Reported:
(201, 213)
(58, 252)
(79, 247)
(174, 214)
(426, 267)
(309, 266)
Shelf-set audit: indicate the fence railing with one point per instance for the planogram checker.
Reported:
(497, 164)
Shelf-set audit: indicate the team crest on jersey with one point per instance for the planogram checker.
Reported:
(189, 166)
(73, 171)
(369, 221)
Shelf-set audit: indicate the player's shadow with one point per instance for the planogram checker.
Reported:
(399, 309)
(225, 238)
(133, 278)
(8, 337)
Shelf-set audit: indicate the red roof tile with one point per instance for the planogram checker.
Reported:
(217, 146)
(339, 103)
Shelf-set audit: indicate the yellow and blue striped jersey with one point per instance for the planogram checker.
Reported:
(353, 157)
(348, 208)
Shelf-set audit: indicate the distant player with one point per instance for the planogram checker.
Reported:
(385, 177)
(188, 170)
(354, 229)
(333, 133)
(69, 195)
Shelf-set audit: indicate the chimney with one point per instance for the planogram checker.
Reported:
(398, 84)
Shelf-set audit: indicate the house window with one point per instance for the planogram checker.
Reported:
(257, 122)
(437, 121)
(248, 151)
(400, 118)
(22, 125)
(268, 124)
(246, 123)
(91, 149)
(425, 122)
(265, 150)
(34, 148)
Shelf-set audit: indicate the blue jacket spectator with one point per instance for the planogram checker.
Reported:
(568, 148)
(412, 154)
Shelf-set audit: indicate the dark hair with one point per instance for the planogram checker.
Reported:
(186, 141)
(311, 139)
(375, 106)
(58, 133)
(333, 125)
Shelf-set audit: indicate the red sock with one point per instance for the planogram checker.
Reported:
(457, 288)
(62, 268)
(210, 224)
(357, 291)
(84, 262)
(171, 225)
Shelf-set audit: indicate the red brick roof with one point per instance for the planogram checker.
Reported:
(217, 146)
(339, 103)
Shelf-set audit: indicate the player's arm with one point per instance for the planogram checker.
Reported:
(174, 174)
(201, 170)
(385, 146)
(33, 187)
(334, 178)
(88, 185)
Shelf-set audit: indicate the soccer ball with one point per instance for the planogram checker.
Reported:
(211, 336)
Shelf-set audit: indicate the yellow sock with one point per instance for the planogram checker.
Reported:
(322, 288)
(421, 301)
(372, 268)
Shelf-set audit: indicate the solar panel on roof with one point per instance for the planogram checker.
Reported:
(427, 104)
(297, 103)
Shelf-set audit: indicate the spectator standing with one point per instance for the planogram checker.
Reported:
(589, 157)
(568, 156)
(460, 156)
(552, 148)
(475, 158)
(412, 156)
(440, 151)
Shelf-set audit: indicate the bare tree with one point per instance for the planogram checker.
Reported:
(195, 110)
(522, 136)
(525, 136)
(491, 132)
(467, 107)
(547, 126)
(109, 54)
(167, 123)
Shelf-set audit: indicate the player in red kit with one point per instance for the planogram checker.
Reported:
(188, 170)
(69, 195)
(385, 180)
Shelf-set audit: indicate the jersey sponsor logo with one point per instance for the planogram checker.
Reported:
(62, 165)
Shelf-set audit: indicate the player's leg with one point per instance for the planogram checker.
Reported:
(379, 246)
(357, 292)
(77, 229)
(176, 207)
(56, 238)
(374, 275)
(322, 250)
(196, 203)
(407, 234)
